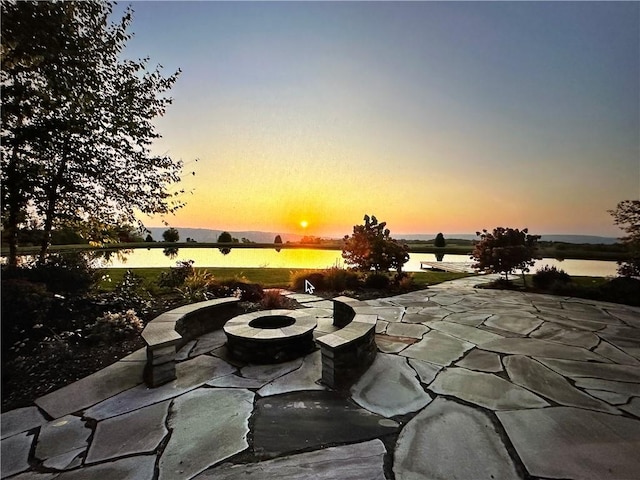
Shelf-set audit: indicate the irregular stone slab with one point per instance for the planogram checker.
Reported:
(381, 326)
(136, 432)
(93, 389)
(388, 314)
(304, 297)
(324, 326)
(20, 420)
(630, 317)
(464, 332)
(542, 380)
(481, 360)
(615, 354)
(388, 344)
(35, 476)
(209, 341)
(633, 407)
(438, 348)
(303, 420)
(320, 312)
(61, 436)
(566, 442)
(235, 381)
(304, 378)
(15, 454)
(190, 375)
(567, 322)
(451, 441)
(183, 353)
(566, 335)
(625, 338)
(484, 389)
(389, 388)
(406, 330)
(609, 386)
(467, 318)
(349, 462)
(268, 373)
(426, 371)
(444, 299)
(605, 371)
(140, 467)
(522, 324)
(208, 425)
(610, 397)
(65, 460)
(414, 317)
(540, 348)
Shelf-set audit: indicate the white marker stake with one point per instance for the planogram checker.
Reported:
(308, 288)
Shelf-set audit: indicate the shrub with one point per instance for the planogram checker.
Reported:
(404, 282)
(316, 278)
(247, 292)
(114, 326)
(272, 299)
(547, 276)
(176, 276)
(68, 273)
(371, 247)
(376, 280)
(339, 279)
(621, 290)
(198, 286)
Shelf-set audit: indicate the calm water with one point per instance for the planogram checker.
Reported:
(303, 258)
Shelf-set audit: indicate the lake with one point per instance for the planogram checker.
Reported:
(312, 259)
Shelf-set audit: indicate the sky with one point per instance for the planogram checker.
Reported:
(432, 116)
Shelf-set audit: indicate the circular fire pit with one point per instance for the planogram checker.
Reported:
(270, 336)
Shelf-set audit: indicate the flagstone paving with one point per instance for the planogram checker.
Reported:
(468, 383)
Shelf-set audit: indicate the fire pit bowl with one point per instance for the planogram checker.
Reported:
(270, 336)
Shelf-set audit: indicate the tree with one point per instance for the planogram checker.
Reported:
(171, 235)
(77, 122)
(439, 241)
(148, 238)
(371, 247)
(505, 250)
(225, 237)
(627, 217)
(278, 239)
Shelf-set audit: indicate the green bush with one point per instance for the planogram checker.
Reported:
(339, 279)
(247, 292)
(64, 273)
(176, 276)
(117, 326)
(272, 299)
(547, 276)
(377, 281)
(316, 278)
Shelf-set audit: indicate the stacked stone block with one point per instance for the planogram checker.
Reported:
(168, 332)
(347, 353)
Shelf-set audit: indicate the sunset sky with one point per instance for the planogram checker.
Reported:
(448, 117)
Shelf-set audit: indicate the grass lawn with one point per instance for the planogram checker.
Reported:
(266, 277)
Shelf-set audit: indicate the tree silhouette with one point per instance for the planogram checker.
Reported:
(627, 217)
(439, 241)
(371, 247)
(171, 235)
(225, 237)
(78, 122)
(505, 250)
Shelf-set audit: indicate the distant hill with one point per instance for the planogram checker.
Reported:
(593, 239)
(208, 235)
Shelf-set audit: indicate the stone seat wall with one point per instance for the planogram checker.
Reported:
(168, 332)
(347, 353)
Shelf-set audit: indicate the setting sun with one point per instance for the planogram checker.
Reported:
(304, 224)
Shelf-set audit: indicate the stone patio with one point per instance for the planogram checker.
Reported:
(467, 384)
